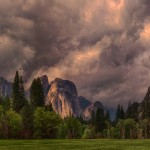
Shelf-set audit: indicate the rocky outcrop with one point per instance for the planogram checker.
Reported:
(5, 87)
(63, 97)
(93, 107)
(83, 103)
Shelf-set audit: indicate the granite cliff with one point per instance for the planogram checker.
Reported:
(63, 96)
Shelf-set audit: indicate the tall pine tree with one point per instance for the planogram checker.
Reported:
(118, 113)
(128, 112)
(18, 94)
(108, 116)
(122, 113)
(37, 93)
(22, 93)
(99, 120)
(92, 121)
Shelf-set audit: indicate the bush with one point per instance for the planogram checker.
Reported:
(46, 123)
(13, 124)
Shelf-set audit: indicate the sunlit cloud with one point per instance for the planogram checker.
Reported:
(100, 45)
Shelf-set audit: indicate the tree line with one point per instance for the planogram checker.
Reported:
(127, 124)
(27, 119)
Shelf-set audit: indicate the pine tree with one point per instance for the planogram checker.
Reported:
(37, 93)
(22, 93)
(122, 113)
(128, 112)
(108, 116)
(6, 103)
(27, 119)
(1, 94)
(92, 118)
(99, 120)
(16, 93)
(133, 111)
(118, 113)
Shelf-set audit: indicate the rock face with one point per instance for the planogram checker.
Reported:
(93, 107)
(83, 103)
(5, 87)
(64, 98)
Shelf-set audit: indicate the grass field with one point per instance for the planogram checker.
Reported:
(74, 144)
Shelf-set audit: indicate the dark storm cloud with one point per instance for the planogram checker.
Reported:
(101, 45)
(46, 26)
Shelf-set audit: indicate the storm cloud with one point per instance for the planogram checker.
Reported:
(103, 46)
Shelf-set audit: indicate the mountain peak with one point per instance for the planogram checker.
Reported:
(63, 96)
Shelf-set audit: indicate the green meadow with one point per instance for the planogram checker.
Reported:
(74, 144)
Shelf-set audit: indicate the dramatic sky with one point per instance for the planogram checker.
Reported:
(103, 46)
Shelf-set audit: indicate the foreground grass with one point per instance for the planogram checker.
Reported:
(74, 144)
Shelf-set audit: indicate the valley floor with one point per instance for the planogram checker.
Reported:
(74, 144)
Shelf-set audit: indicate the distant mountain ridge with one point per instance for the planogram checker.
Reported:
(63, 96)
(5, 87)
(65, 101)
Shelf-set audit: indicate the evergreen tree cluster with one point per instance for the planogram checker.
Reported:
(37, 93)
(100, 120)
(22, 118)
(120, 114)
(132, 111)
(18, 94)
